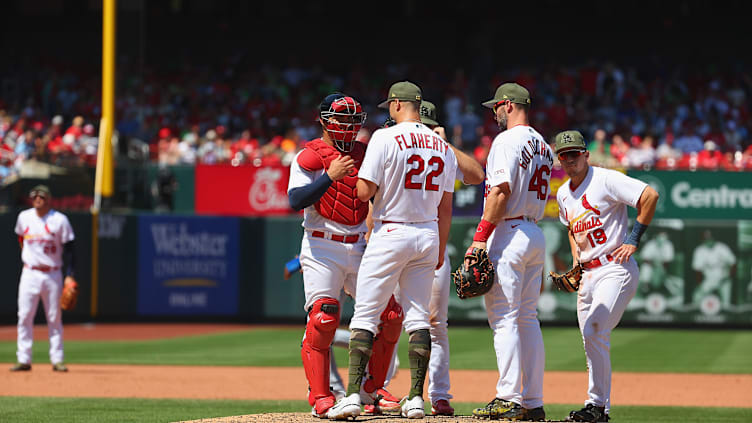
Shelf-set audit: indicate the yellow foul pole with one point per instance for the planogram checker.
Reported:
(104, 174)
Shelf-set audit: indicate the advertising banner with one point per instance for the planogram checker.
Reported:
(700, 195)
(691, 272)
(242, 190)
(187, 265)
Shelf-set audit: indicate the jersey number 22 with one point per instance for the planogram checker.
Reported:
(417, 170)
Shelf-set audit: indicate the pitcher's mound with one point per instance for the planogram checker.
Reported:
(305, 417)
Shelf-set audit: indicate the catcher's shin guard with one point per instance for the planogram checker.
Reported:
(384, 344)
(323, 320)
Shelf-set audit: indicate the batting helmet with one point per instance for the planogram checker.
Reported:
(342, 117)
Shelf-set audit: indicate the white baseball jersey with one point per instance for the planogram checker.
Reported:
(521, 157)
(43, 237)
(312, 220)
(596, 212)
(413, 167)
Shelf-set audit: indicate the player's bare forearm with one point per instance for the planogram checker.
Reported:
(445, 223)
(470, 168)
(646, 205)
(573, 248)
(369, 221)
(496, 206)
(366, 189)
(496, 203)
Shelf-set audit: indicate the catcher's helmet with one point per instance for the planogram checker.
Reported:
(342, 117)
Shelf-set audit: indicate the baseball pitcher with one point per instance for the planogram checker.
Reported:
(409, 171)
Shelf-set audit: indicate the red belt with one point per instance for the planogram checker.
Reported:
(592, 264)
(520, 218)
(515, 218)
(42, 268)
(347, 239)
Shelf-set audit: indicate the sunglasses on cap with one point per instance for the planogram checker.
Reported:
(35, 194)
(570, 155)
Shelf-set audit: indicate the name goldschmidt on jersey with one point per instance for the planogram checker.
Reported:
(534, 147)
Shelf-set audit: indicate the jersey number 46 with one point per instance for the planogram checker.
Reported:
(539, 182)
(434, 162)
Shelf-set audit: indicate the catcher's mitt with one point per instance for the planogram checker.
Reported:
(475, 279)
(569, 281)
(70, 294)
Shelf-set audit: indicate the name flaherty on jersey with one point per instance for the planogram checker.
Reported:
(419, 140)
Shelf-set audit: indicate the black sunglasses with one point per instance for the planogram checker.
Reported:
(571, 154)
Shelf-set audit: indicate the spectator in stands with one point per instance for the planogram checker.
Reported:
(619, 149)
(600, 153)
(642, 156)
(689, 141)
(709, 158)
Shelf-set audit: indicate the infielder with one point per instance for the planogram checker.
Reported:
(409, 171)
(517, 180)
(593, 205)
(322, 182)
(46, 239)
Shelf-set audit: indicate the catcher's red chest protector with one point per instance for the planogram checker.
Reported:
(340, 202)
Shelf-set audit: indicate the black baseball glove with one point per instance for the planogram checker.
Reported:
(475, 279)
(569, 281)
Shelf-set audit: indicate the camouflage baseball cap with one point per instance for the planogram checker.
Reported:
(405, 91)
(569, 140)
(40, 189)
(428, 113)
(511, 91)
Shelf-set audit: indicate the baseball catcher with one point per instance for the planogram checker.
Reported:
(569, 281)
(475, 276)
(69, 295)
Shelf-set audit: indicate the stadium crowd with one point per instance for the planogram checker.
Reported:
(667, 117)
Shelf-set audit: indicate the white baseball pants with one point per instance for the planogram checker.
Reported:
(47, 286)
(602, 298)
(517, 251)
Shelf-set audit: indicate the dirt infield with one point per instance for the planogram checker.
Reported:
(288, 383)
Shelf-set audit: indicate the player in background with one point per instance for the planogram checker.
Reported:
(409, 171)
(470, 172)
(517, 181)
(46, 239)
(593, 205)
(322, 182)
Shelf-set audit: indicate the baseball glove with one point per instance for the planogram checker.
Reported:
(70, 294)
(569, 281)
(475, 279)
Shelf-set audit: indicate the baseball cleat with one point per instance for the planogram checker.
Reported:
(515, 413)
(347, 407)
(442, 408)
(21, 367)
(590, 413)
(535, 414)
(59, 367)
(322, 406)
(493, 409)
(413, 408)
(387, 403)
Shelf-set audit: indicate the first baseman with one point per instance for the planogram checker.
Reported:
(409, 172)
(593, 205)
(517, 182)
(47, 252)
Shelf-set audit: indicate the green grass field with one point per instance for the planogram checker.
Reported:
(636, 350)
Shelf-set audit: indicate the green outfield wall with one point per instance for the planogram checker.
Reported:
(692, 272)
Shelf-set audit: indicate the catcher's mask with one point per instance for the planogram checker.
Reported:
(342, 117)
